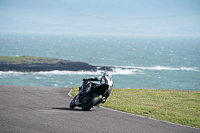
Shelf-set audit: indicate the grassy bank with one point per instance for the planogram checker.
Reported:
(21, 59)
(182, 107)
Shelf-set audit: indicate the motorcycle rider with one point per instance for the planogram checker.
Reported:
(105, 82)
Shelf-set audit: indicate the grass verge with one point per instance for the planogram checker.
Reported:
(181, 107)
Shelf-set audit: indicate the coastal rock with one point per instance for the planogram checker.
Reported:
(48, 64)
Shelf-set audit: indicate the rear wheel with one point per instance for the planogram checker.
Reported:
(91, 103)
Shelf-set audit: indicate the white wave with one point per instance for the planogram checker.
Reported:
(12, 73)
(55, 85)
(189, 69)
(39, 77)
(56, 72)
(117, 70)
(160, 68)
(125, 71)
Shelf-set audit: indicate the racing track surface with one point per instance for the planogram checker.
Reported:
(25, 109)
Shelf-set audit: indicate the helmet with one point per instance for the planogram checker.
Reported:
(106, 79)
(107, 75)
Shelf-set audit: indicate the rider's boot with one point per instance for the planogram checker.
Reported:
(102, 100)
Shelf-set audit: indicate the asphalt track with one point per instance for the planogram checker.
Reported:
(25, 109)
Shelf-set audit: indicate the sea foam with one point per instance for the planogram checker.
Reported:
(117, 70)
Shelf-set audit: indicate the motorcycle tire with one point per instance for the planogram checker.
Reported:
(91, 103)
(72, 103)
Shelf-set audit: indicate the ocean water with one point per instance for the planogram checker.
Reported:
(147, 62)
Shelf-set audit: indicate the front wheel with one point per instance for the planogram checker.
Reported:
(91, 103)
(72, 104)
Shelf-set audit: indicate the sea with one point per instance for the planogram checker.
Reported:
(140, 61)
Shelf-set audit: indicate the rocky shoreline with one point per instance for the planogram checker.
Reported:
(36, 64)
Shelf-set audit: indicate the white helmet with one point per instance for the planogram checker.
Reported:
(106, 78)
(107, 75)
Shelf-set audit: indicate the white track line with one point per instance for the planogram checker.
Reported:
(70, 93)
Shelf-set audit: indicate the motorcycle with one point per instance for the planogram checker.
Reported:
(89, 96)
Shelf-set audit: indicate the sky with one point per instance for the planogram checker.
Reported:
(105, 8)
(126, 15)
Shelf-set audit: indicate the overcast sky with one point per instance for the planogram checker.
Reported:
(147, 16)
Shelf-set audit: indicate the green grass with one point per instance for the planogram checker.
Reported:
(22, 59)
(182, 107)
